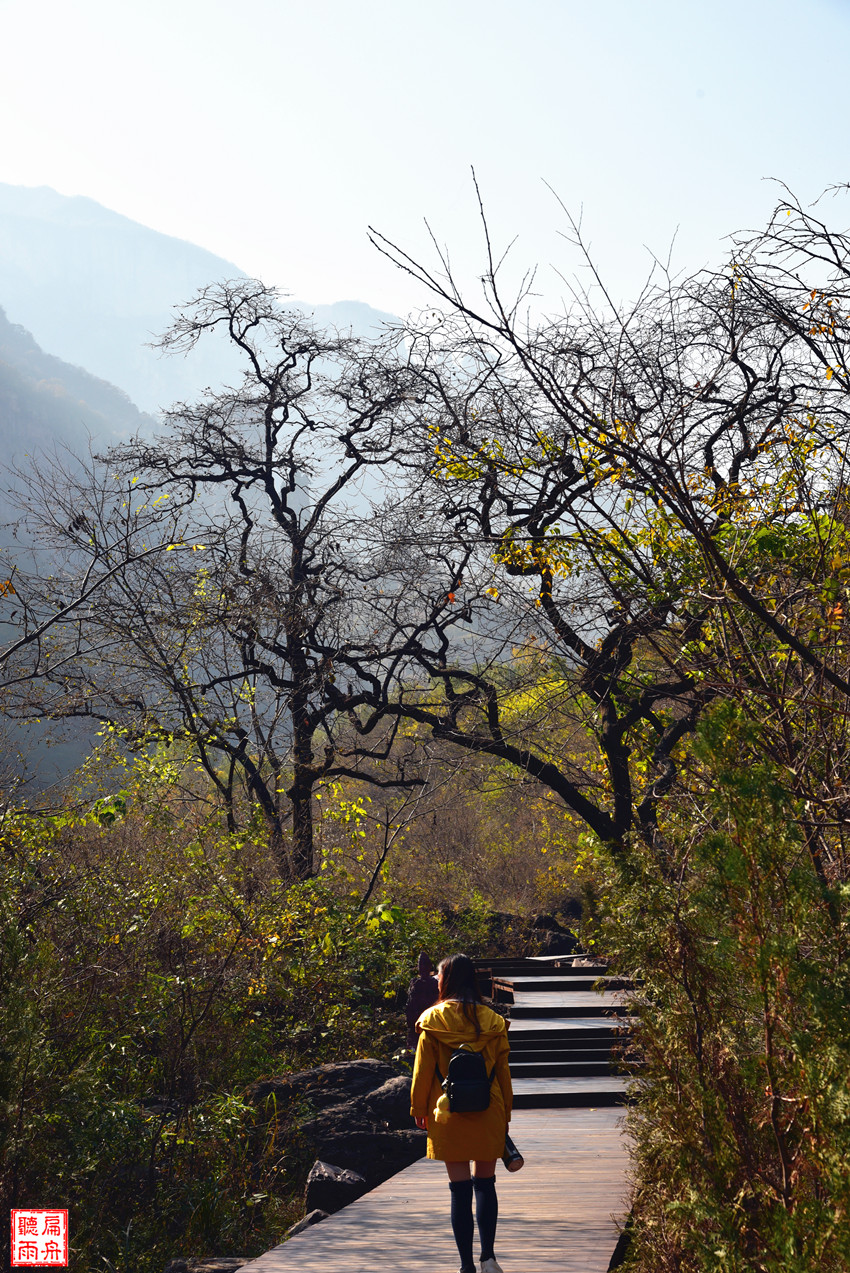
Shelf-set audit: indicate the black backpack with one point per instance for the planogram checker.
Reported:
(467, 1084)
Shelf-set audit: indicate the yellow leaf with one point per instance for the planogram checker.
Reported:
(829, 373)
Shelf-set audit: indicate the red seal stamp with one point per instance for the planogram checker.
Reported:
(39, 1238)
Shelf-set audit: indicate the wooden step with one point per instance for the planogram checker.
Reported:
(506, 988)
(566, 969)
(542, 968)
(561, 1093)
(523, 1056)
(569, 981)
(527, 1032)
(558, 1069)
(568, 1028)
(571, 1004)
(538, 966)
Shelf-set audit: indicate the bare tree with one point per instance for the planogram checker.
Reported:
(617, 472)
(234, 560)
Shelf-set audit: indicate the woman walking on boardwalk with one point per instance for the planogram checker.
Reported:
(460, 1019)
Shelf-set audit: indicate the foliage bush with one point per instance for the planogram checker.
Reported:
(742, 1127)
(151, 966)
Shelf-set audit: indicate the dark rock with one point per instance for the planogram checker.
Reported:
(330, 1188)
(545, 921)
(336, 1120)
(312, 1217)
(558, 943)
(358, 1137)
(371, 1133)
(551, 924)
(572, 909)
(208, 1264)
(390, 1103)
(326, 1085)
(377, 1155)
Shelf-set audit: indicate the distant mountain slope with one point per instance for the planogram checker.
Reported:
(45, 402)
(354, 316)
(95, 287)
(47, 408)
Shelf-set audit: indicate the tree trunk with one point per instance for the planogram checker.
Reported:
(301, 853)
(300, 793)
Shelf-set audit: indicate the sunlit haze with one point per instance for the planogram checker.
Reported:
(273, 133)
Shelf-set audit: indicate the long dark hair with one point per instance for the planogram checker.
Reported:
(456, 979)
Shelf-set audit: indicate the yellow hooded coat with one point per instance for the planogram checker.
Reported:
(463, 1137)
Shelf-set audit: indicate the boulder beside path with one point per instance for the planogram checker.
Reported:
(354, 1115)
(325, 1084)
(330, 1188)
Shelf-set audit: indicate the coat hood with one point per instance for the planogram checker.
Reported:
(448, 1023)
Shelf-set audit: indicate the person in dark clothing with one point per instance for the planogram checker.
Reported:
(422, 993)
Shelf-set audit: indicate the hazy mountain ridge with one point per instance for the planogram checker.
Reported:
(49, 408)
(45, 402)
(95, 288)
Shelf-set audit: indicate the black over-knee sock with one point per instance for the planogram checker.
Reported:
(486, 1213)
(462, 1226)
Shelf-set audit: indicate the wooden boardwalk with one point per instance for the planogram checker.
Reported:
(557, 1215)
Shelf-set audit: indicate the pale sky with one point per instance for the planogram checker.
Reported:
(273, 132)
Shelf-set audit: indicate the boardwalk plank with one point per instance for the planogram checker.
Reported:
(555, 1214)
(593, 1025)
(570, 1002)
